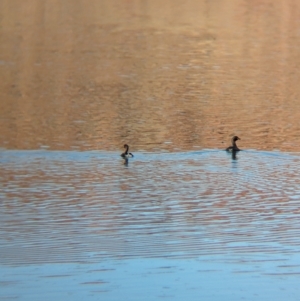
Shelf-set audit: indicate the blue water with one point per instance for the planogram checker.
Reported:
(194, 226)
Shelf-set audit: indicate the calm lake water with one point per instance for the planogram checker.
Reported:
(183, 219)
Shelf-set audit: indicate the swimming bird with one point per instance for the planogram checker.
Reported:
(234, 147)
(126, 154)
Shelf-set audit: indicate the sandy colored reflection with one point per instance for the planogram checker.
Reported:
(171, 75)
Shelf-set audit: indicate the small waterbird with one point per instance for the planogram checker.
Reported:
(126, 154)
(234, 147)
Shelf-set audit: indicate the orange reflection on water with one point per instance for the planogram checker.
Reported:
(159, 76)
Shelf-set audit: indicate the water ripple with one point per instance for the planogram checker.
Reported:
(60, 206)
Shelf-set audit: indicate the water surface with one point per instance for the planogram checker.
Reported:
(85, 222)
(180, 75)
(183, 220)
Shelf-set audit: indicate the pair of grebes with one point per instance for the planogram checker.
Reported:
(232, 148)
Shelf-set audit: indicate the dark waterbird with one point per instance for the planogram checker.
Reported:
(126, 154)
(233, 147)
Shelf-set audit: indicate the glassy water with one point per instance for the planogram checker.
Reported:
(87, 223)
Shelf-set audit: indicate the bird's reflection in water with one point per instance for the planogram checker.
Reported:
(126, 161)
(233, 155)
